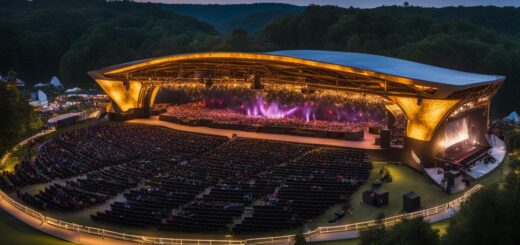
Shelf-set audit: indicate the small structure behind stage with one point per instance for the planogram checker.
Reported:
(65, 120)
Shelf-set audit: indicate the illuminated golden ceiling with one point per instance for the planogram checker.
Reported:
(127, 84)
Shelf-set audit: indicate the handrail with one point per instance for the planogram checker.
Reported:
(256, 241)
(252, 241)
(24, 142)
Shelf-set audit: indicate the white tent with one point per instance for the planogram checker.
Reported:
(42, 98)
(41, 85)
(513, 117)
(20, 83)
(73, 90)
(55, 82)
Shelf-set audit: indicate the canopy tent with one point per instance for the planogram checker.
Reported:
(55, 82)
(42, 98)
(513, 117)
(41, 85)
(73, 90)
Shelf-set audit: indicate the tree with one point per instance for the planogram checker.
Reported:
(299, 239)
(410, 231)
(490, 216)
(18, 117)
(374, 234)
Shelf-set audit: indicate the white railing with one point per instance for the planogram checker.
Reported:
(367, 224)
(22, 143)
(256, 241)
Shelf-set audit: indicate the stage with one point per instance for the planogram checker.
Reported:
(498, 151)
(368, 143)
(479, 169)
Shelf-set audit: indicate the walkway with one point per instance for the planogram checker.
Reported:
(368, 143)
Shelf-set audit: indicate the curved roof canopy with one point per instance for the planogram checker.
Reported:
(321, 69)
(392, 66)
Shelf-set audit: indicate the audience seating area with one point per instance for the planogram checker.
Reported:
(188, 182)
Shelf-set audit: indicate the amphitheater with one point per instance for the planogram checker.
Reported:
(243, 148)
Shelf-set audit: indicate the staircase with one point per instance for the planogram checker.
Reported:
(247, 213)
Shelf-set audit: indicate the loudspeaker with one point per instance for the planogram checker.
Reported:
(450, 178)
(411, 202)
(368, 197)
(384, 135)
(380, 197)
(377, 197)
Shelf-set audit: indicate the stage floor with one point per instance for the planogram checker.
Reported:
(368, 143)
(498, 151)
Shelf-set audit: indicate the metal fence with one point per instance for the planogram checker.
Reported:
(102, 233)
(24, 142)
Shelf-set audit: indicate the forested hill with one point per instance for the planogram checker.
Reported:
(42, 38)
(70, 37)
(504, 20)
(225, 18)
(432, 36)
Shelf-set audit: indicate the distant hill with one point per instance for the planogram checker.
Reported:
(250, 17)
(43, 38)
(504, 20)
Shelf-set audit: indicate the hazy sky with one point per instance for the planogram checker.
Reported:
(359, 3)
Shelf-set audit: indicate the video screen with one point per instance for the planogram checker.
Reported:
(456, 131)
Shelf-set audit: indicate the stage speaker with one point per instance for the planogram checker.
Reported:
(384, 135)
(368, 197)
(411, 202)
(450, 178)
(380, 197)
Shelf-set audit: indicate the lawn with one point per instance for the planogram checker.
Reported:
(21, 152)
(16, 157)
(442, 226)
(405, 179)
(14, 232)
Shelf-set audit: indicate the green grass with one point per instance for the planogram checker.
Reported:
(15, 158)
(14, 232)
(21, 152)
(442, 226)
(405, 179)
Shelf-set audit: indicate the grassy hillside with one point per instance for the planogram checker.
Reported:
(14, 232)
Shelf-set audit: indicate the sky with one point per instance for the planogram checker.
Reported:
(358, 3)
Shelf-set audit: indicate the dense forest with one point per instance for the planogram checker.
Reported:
(46, 37)
(69, 37)
(225, 18)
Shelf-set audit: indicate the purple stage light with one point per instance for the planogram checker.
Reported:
(273, 110)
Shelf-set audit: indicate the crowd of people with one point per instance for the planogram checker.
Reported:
(237, 103)
(198, 111)
(93, 148)
(188, 182)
